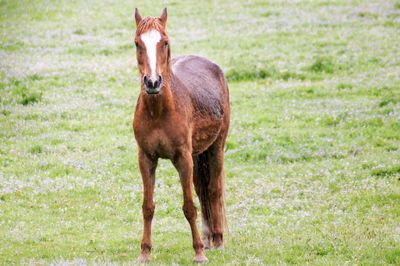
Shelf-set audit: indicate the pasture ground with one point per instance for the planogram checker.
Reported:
(312, 159)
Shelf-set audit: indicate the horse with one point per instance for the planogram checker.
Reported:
(182, 114)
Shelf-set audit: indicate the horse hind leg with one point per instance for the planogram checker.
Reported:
(208, 169)
(216, 194)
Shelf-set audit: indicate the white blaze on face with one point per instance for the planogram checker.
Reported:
(150, 39)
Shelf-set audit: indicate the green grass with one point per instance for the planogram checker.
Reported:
(312, 159)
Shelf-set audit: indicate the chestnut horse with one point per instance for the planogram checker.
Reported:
(182, 114)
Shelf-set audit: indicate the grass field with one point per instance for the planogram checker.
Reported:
(312, 159)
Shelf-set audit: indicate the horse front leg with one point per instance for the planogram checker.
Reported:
(147, 167)
(184, 165)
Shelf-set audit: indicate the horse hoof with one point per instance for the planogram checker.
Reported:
(144, 258)
(200, 258)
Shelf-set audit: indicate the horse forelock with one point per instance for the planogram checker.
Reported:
(150, 23)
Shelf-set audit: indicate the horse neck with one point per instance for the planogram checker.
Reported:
(158, 105)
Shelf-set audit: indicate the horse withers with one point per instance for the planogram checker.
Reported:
(182, 114)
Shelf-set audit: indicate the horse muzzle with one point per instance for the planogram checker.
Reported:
(152, 86)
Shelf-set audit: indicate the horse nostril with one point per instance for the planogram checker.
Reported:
(148, 82)
(145, 79)
(157, 83)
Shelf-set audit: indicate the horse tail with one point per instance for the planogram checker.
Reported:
(202, 182)
(201, 168)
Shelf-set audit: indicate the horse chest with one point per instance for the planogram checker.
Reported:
(158, 142)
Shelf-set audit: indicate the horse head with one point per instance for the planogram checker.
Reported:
(152, 51)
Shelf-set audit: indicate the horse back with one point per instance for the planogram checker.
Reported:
(205, 83)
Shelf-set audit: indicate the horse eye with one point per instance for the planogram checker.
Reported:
(137, 45)
(165, 45)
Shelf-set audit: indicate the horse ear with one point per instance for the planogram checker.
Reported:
(163, 17)
(138, 17)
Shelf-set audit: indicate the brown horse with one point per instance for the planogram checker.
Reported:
(182, 114)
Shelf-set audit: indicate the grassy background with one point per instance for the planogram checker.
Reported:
(312, 159)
